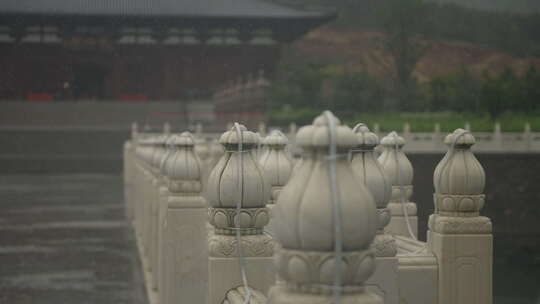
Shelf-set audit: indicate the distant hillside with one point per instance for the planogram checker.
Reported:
(518, 6)
(481, 22)
(362, 50)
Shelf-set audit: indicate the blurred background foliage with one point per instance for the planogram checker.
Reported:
(409, 29)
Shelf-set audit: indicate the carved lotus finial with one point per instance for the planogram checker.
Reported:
(397, 167)
(303, 216)
(275, 162)
(460, 138)
(224, 182)
(303, 212)
(393, 140)
(366, 138)
(317, 135)
(459, 172)
(230, 138)
(276, 138)
(182, 167)
(368, 169)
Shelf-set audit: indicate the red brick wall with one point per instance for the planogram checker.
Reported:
(159, 72)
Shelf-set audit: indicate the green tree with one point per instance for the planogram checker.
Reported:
(404, 21)
(531, 90)
(299, 86)
(357, 92)
(492, 96)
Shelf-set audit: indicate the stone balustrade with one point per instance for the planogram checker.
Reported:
(343, 228)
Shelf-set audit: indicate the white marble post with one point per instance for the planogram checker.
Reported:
(226, 189)
(436, 138)
(376, 128)
(497, 137)
(182, 254)
(277, 168)
(407, 128)
(527, 137)
(262, 129)
(459, 237)
(292, 130)
(399, 171)
(305, 226)
(129, 171)
(166, 128)
(370, 172)
(199, 130)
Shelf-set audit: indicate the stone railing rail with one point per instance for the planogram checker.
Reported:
(342, 226)
(433, 142)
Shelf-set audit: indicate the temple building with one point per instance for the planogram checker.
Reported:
(146, 50)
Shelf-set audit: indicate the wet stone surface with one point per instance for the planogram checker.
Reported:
(65, 239)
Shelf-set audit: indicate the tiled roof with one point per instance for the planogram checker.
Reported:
(157, 8)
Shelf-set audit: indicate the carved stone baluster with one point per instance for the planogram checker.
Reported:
(277, 168)
(223, 193)
(459, 237)
(183, 257)
(305, 225)
(399, 171)
(364, 163)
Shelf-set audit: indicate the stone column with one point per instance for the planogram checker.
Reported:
(399, 171)
(182, 254)
(306, 230)
(277, 168)
(370, 172)
(226, 188)
(459, 237)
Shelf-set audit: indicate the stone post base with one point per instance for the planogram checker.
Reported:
(183, 259)
(384, 281)
(280, 295)
(465, 267)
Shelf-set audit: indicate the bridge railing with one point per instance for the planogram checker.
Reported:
(238, 220)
